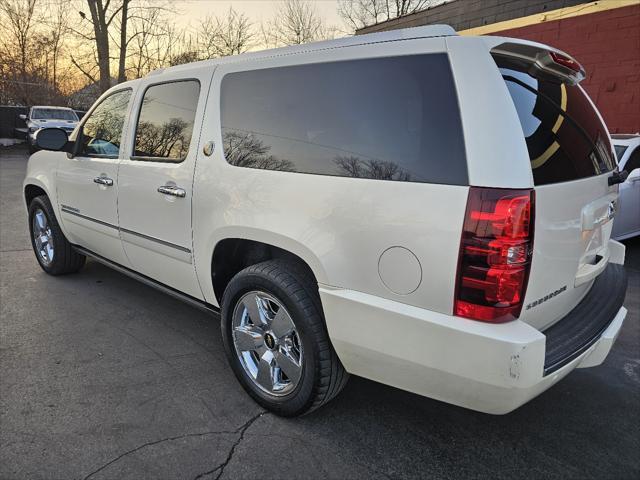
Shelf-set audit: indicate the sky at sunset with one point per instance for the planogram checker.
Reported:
(257, 10)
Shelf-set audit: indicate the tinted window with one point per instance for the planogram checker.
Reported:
(387, 118)
(565, 137)
(102, 131)
(634, 161)
(165, 123)
(53, 114)
(620, 149)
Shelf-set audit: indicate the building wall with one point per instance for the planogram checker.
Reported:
(607, 44)
(464, 14)
(604, 36)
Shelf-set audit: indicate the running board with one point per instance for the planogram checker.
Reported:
(194, 302)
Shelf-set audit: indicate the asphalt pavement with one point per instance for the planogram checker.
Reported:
(102, 377)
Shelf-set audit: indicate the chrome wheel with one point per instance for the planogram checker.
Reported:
(43, 237)
(267, 343)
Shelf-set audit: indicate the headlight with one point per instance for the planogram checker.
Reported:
(33, 129)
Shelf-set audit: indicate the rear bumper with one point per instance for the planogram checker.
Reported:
(485, 367)
(585, 324)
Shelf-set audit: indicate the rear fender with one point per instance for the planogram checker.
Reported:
(264, 236)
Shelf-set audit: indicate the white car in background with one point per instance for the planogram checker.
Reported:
(627, 222)
(40, 117)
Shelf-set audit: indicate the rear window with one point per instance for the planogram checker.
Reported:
(565, 137)
(391, 118)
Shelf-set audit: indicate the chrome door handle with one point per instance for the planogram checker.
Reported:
(171, 190)
(103, 181)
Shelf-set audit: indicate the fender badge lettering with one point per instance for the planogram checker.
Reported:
(546, 297)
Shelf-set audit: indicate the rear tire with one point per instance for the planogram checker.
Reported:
(303, 370)
(53, 251)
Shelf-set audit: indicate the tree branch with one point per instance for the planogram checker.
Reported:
(82, 70)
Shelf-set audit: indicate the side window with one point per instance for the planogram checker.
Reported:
(620, 149)
(102, 131)
(634, 161)
(165, 123)
(393, 118)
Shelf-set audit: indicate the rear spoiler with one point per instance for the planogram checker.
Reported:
(540, 61)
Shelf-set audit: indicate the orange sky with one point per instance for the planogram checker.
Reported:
(256, 10)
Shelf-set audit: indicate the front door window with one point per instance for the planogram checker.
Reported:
(102, 132)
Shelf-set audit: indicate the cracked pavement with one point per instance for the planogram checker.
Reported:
(102, 377)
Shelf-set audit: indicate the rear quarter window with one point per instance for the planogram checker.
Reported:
(565, 137)
(394, 118)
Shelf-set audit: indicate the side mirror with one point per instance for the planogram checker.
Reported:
(22, 116)
(53, 139)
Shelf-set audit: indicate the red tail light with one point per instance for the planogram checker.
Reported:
(495, 254)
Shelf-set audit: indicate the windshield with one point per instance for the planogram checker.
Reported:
(53, 114)
(620, 149)
(565, 137)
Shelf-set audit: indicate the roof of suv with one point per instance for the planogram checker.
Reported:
(378, 37)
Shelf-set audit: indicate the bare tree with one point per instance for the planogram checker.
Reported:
(102, 15)
(141, 57)
(107, 26)
(124, 41)
(353, 166)
(152, 44)
(244, 149)
(58, 29)
(43, 47)
(32, 51)
(295, 22)
(358, 14)
(350, 165)
(228, 35)
(18, 17)
(169, 139)
(187, 56)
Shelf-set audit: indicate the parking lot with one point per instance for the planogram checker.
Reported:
(102, 377)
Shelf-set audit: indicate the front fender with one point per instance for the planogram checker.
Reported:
(41, 172)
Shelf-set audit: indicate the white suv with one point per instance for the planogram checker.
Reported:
(426, 210)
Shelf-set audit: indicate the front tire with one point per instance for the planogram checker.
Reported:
(53, 251)
(276, 340)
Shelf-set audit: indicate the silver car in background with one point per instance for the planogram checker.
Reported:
(627, 222)
(40, 117)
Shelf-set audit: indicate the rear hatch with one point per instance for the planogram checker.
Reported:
(571, 162)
